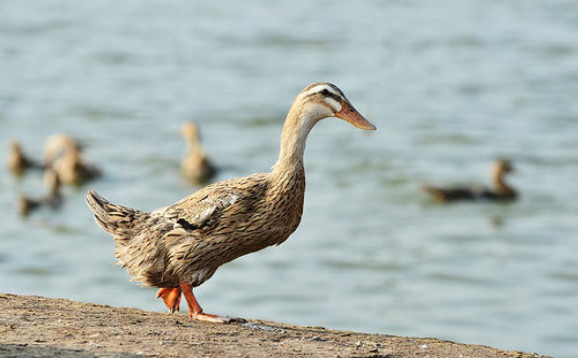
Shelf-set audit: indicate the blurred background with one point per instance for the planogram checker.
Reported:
(450, 84)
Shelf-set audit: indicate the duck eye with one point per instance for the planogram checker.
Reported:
(325, 92)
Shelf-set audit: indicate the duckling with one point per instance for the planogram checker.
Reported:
(501, 191)
(63, 154)
(53, 200)
(180, 246)
(17, 161)
(195, 166)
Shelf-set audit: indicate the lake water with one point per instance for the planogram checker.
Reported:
(450, 84)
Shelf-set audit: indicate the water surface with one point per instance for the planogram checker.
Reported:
(451, 85)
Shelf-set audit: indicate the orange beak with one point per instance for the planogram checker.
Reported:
(350, 114)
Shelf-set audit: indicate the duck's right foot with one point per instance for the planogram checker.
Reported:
(216, 319)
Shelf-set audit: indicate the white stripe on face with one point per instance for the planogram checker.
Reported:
(336, 106)
(319, 88)
(332, 103)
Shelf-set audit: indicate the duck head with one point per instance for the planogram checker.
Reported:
(503, 166)
(322, 100)
(314, 103)
(190, 132)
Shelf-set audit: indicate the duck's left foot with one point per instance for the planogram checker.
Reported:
(217, 319)
(171, 297)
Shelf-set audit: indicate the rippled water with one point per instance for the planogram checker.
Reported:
(450, 84)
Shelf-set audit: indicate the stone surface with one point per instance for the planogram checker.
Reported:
(32, 326)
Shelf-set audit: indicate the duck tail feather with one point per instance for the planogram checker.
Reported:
(112, 218)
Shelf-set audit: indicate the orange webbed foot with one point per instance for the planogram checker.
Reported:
(216, 319)
(171, 297)
(196, 312)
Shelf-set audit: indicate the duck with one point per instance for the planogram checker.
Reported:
(56, 145)
(73, 169)
(63, 155)
(195, 166)
(17, 162)
(178, 247)
(53, 200)
(501, 190)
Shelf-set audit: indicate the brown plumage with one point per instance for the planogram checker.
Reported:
(501, 190)
(53, 200)
(195, 166)
(180, 246)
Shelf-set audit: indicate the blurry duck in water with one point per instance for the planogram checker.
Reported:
(63, 155)
(501, 190)
(17, 161)
(73, 170)
(180, 246)
(56, 145)
(52, 200)
(195, 166)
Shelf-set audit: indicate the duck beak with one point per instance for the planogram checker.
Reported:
(350, 114)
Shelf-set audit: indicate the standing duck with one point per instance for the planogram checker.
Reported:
(501, 191)
(180, 246)
(52, 200)
(17, 161)
(195, 166)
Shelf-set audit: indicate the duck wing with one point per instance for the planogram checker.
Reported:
(198, 234)
(217, 203)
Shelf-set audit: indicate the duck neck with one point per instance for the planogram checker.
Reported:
(16, 153)
(193, 146)
(500, 185)
(293, 137)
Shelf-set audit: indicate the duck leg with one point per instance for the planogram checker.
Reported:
(196, 312)
(171, 297)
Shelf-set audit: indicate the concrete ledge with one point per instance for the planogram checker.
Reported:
(32, 326)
